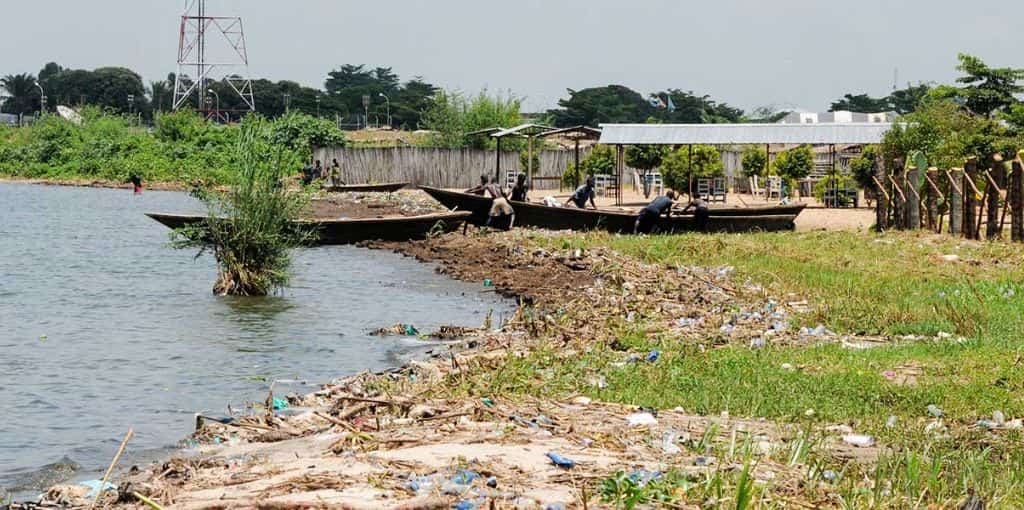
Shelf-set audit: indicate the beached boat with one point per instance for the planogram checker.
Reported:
(348, 231)
(387, 187)
(732, 219)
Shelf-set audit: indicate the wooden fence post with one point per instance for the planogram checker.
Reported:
(932, 176)
(1014, 196)
(911, 183)
(970, 198)
(881, 200)
(899, 199)
(956, 200)
(996, 179)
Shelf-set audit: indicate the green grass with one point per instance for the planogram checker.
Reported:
(856, 283)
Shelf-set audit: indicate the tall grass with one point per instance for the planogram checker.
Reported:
(251, 228)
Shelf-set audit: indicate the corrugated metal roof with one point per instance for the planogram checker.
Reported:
(742, 134)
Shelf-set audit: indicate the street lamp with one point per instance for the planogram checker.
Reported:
(42, 100)
(216, 95)
(287, 102)
(388, 102)
(318, 106)
(131, 104)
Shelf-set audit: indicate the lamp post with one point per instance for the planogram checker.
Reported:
(42, 100)
(318, 106)
(217, 96)
(287, 102)
(387, 101)
(131, 104)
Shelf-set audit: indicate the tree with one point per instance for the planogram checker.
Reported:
(24, 95)
(988, 90)
(679, 169)
(594, 106)
(864, 167)
(755, 161)
(861, 103)
(161, 95)
(796, 163)
(906, 100)
(946, 134)
(645, 158)
(765, 115)
(600, 161)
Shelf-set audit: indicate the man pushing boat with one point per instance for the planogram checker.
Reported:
(648, 217)
(500, 207)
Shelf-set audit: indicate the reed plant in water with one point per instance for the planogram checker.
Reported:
(252, 228)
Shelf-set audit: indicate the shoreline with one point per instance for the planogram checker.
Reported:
(95, 183)
(414, 428)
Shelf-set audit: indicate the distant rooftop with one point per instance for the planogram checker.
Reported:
(841, 116)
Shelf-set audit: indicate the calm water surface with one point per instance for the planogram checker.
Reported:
(104, 327)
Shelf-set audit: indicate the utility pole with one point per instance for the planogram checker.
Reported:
(192, 47)
(42, 100)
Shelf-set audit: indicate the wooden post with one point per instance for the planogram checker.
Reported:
(913, 198)
(1014, 195)
(970, 199)
(576, 178)
(497, 163)
(933, 198)
(620, 168)
(529, 162)
(995, 180)
(881, 200)
(956, 201)
(899, 197)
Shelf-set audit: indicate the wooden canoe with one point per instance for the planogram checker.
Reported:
(733, 219)
(348, 231)
(387, 187)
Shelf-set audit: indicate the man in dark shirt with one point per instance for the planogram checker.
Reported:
(583, 194)
(520, 190)
(648, 217)
(700, 212)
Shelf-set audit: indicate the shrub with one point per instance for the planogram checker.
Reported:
(863, 167)
(755, 161)
(796, 163)
(251, 229)
(679, 170)
(600, 161)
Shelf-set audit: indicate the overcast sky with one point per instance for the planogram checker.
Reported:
(749, 53)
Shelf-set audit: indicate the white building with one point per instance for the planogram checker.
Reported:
(837, 117)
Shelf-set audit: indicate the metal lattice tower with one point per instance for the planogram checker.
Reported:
(194, 70)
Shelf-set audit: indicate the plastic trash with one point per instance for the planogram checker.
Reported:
(598, 382)
(935, 411)
(788, 367)
(543, 420)
(492, 482)
(465, 505)
(555, 506)
(488, 282)
(988, 424)
(704, 461)
(642, 477)
(687, 322)
(999, 418)
(279, 404)
(465, 477)
(641, 419)
(727, 329)
(891, 422)
(859, 440)
(94, 487)
(411, 330)
(779, 326)
(758, 343)
(829, 476)
(561, 461)
(668, 442)
(653, 356)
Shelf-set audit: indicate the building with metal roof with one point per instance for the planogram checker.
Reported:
(743, 134)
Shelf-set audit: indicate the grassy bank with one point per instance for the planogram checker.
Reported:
(965, 311)
(180, 148)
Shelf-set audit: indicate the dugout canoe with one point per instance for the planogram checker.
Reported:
(387, 187)
(348, 231)
(731, 219)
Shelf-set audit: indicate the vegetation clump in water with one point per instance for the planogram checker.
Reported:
(252, 227)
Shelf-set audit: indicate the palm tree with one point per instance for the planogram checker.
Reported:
(22, 91)
(160, 94)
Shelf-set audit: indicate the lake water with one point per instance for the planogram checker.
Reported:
(104, 327)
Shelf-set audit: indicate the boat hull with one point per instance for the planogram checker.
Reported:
(769, 218)
(349, 231)
(387, 187)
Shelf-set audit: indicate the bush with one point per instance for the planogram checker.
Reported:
(676, 169)
(841, 181)
(755, 161)
(796, 163)
(252, 228)
(863, 167)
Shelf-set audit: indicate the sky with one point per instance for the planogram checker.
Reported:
(789, 54)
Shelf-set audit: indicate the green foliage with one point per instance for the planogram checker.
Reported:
(987, 89)
(901, 101)
(620, 104)
(863, 167)
(22, 92)
(678, 169)
(600, 161)
(182, 148)
(251, 228)
(795, 163)
(300, 132)
(946, 134)
(452, 115)
(645, 157)
(839, 181)
(861, 103)
(755, 161)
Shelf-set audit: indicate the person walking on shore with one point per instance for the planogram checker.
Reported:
(648, 217)
(583, 194)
